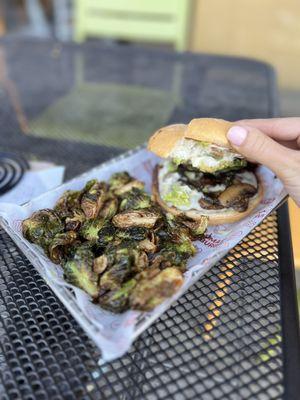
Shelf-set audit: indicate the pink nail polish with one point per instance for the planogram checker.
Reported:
(237, 135)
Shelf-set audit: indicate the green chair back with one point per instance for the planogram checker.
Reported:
(164, 21)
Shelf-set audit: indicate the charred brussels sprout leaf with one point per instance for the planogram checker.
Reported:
(79, 271)
(91, 228)
(109, 209)
(93, 199)
(182, 243)
(119, 179)
(117, 300)
(148, 246)
(122, 264)
(132, 234)
(106, 234)
(141, 261)
(100, 264)
(176, 248)
(134, 184)
(68, 203)
(128, 219)
(150, 292)
(41, 227)
(168, 257)
(135, 200)
(89, 185)
(196, 228)
(59, 244)
(74, 221)
(121, 183)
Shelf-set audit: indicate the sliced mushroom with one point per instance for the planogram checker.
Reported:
(237, 196)
(210, 203)
(145, 219)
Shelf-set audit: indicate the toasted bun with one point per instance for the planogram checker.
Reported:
(228, 217)
(210, 130)
(163, 140)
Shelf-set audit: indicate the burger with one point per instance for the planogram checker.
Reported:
(201, 174)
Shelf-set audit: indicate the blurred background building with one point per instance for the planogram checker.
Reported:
(265, 30)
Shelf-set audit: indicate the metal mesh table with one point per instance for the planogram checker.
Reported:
(233, 335)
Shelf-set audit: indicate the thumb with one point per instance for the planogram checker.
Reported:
(255, 145)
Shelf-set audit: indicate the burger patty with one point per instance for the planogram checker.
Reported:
(201, 181)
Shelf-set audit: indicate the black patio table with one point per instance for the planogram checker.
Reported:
(234, 334)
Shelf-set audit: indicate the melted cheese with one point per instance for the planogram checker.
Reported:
(200, 155)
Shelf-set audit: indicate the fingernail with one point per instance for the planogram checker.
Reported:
(237, 135)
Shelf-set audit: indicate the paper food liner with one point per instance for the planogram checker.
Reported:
(112, 333)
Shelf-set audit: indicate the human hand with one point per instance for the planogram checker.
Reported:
(273, 142)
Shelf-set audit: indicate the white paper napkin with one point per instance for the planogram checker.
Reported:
(41, 177)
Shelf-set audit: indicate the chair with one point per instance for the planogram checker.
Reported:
(164, 21)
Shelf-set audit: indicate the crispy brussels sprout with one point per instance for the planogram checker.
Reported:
(182, 243)
(121, 183)
(117, 300)
(141, 261)
(134, 184)
(167, 228)
(67, 203)
(100, 264)
(135, 199)
(148, 246)
(89, 185)
(148, 273)
(176, 248)
(41, 227)
(70, 251)
(114, 242)
(181, 229)
(196, 228)
(128, 219)
(90, 229)
(109, 209)
(93, 199)
(168, 257)
(75, 220)
(135, 233)
(58, 246)
(150, 292)
(119, 179)
(122, 262)
(106, 234)
(79, 271)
